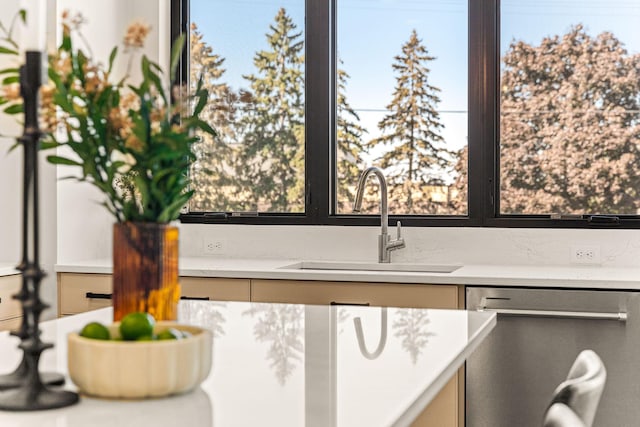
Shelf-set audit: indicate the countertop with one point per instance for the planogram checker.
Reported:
(311, 373)
(8, 269)
(589, 277)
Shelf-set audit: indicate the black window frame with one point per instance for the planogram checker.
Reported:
(320, 115)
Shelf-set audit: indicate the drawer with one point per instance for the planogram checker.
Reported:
(375, 294)
(215, 289)
(11, 324)
(83, 292)
(9, 307)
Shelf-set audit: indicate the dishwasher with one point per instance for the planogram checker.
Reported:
(511, 376)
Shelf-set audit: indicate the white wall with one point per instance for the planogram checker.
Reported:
(11, 196)
(84, 228)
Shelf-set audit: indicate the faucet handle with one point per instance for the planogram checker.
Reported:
(399, 230)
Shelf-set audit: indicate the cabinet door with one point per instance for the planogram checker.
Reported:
(9, 286)
(445, 410)
(11, 324)
(204, 288)
(78, 293)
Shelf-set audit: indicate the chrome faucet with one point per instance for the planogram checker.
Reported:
(385, 244)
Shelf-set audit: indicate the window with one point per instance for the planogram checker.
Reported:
(481, 113)
(402, 106)
(570, 107)
(252, 59)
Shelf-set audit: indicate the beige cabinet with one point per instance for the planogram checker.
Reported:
(447, 408)
(10, 309)
(80, 292)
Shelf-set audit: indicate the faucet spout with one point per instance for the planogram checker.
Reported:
(384, 209)
(385, 244)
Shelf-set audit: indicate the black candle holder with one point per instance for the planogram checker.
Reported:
(26, 389)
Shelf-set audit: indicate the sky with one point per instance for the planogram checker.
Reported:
(371, 33)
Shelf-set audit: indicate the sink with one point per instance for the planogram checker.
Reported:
(371, 266)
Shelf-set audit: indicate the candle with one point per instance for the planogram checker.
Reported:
(33, 34)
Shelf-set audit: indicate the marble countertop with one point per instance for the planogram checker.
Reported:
(8, 269)
(320, 377)
(590, 277)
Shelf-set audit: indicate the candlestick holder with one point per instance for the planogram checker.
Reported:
(26, 389)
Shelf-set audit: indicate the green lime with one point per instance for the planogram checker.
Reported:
(170, 334)
(136, 325)
(96, 331)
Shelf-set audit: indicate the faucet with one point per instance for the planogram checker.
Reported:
(385, 244)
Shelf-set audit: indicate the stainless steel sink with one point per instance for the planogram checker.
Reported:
(371, 266)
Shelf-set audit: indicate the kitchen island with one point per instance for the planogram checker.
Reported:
(285, 365)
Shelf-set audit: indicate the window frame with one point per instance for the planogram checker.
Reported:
(320, 133)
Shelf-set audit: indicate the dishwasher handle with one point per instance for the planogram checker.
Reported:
(620, 316)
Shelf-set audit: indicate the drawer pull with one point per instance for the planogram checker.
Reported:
(358, 304)
(94, 295)
(195, 298)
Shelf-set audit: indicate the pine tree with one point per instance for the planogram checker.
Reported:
(350, 146)
(272, 158)
(416, 155)
(212, 177)
(570, 126)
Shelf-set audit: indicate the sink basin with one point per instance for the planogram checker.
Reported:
(371, 266)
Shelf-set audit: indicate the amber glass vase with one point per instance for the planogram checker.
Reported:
(145, 269)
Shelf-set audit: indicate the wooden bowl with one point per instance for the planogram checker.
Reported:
(140, 369)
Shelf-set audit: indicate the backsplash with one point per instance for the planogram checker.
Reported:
(620, 248)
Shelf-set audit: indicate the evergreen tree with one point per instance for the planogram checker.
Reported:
(282, 327)
(416, 155)
(570, 126)
(271, 161)
(350, 146)
(212, 177)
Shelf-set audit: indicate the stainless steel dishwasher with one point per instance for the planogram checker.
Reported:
(512, 375)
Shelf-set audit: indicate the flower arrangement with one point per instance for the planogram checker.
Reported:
(134, 142)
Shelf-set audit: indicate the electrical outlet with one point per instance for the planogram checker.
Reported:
(212, 246)
(585, 254)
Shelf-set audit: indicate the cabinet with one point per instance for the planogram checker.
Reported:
(79, 292)
(10, 309)
(447, 409)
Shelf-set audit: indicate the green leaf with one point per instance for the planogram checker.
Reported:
(10, 70)
(205, 127)
(11, 79)
(150, 75)
(58, 160)
(23, 15)
(7, 51)
(46, 145)
(172, 211)
(176, 52)
(112, 58)
(13, 109)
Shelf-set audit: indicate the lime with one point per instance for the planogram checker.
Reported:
(136, 325)
(96, 331)
(170, 334)
(146, 338)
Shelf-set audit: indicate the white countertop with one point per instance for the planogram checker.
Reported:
(590, 277)
(266, 375)
(8, 269)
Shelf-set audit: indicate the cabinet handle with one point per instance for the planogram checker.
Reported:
(195, 298)
(93, 295)
(622, 316)
(359, 304)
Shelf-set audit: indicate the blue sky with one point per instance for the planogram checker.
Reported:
(371, 33)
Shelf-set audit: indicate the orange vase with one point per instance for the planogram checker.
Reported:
(145, 270)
